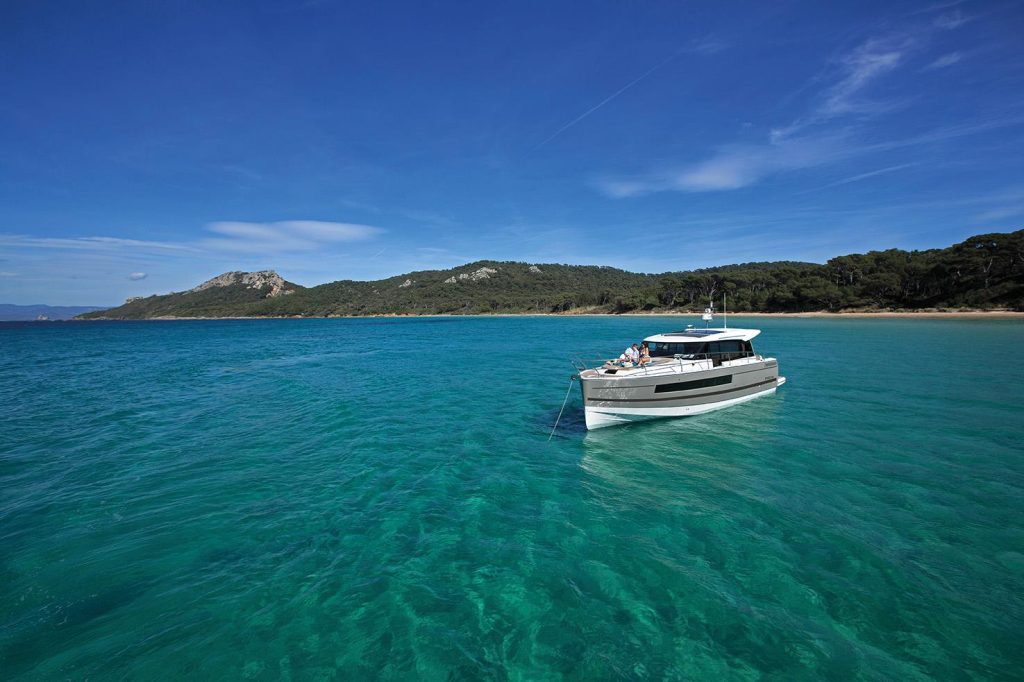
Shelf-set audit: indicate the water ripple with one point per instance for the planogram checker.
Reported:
(255, 500)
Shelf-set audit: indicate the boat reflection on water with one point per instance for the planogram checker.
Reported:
(680, 463)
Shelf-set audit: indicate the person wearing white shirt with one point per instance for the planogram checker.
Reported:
(632, 354)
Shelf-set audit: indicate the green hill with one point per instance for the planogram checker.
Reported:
(986, 271)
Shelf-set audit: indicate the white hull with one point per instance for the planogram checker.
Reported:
(600, 417)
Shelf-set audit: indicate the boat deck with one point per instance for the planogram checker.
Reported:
(663, 366)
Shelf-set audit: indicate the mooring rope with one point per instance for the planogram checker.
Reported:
(564, 401)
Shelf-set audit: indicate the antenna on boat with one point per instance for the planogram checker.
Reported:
(725, 313)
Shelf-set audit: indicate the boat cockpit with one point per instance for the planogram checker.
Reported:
(702, 350)
(697, 348)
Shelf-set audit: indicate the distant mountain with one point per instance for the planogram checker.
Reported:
(17, 313)
(227, 295)
(986, 271)
(481, 287)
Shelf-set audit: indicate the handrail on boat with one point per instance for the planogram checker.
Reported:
(582, 364)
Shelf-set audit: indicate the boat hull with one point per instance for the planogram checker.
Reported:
(610, 401)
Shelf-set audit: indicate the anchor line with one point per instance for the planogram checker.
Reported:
(564, 401)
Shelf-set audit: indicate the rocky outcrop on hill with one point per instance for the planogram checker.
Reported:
(475, 276)
(263, 280)
(482, 273)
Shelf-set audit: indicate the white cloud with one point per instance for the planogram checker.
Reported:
(821, 136)
(733, 167)
(862, 66)
(854, 73)
(946, 60)
(240, 237)
(737, 166)
(285, 235)
(95, 270)
(89, 243)
(332, 232)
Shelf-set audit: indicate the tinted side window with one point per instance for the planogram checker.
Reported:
(670, 349)
(690, 385)
(695, 348)
(732, 350)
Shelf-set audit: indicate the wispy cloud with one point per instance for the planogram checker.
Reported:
(861, 67)
(936, 7)
(951, 20)
(945, 60)
(100, 268)
(733, 167)
(240, 237)
(1007, 205)
(843, 100)
(854, 73)
(230, 238)
(951, 132)
(90, 243)
(1001, 213)
(706, 45)
(737, 166)
(283, 236)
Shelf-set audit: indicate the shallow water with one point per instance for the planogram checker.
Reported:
(254, 499)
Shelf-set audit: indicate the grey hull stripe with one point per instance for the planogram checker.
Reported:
(682, 397)
(669, 379)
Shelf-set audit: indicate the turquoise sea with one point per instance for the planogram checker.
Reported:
(377, 499)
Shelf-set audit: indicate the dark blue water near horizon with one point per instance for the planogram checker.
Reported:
(377, 499)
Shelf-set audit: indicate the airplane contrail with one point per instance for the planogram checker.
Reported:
(615, 94)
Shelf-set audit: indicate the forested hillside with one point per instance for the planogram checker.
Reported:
(986, 271)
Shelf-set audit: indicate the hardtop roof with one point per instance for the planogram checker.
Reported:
(704, 335)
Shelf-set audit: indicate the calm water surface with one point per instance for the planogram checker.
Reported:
(359, 499)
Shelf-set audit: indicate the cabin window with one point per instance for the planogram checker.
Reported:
(690, 385)
(695, 350)
(727, 350)
(663, 349)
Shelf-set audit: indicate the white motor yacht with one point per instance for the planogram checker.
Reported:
(690, 372)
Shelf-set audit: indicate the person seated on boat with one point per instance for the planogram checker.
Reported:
(633, 354)
(628, 358)
(645, 354)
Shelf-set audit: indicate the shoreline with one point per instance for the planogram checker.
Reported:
(820, 314)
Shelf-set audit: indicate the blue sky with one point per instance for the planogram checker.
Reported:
(145, 147)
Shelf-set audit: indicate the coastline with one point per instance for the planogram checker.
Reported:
(901, 314)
